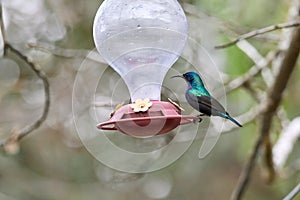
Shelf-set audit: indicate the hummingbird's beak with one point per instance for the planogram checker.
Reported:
(180, 76)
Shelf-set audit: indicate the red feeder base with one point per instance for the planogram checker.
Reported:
(160, 118)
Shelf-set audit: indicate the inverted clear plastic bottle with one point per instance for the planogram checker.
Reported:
(141, 40)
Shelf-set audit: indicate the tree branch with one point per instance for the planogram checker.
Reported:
(17, 135)
(272, 102)
(2, 31)
(268, 77)
(253, 71)
(259, 32)
(1, 23)
(67, 53)
(285, 143)
(11, 143)
(269, 159)
(293, 193)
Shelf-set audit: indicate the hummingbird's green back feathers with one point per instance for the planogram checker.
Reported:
(199, 91)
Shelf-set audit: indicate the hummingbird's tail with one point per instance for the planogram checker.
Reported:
(233, 120)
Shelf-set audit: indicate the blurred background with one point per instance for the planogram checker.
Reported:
(52, 163)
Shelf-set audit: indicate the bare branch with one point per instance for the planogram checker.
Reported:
(293, 193)
(282, 116)
(15, 137)
(1, 22)
(67, 53)
(272, 102)
(2, 29)
(268, 77)
(259, 32)
(260, 62)
(269, 159)
(11, 144)
(253, 71)
(285, 143)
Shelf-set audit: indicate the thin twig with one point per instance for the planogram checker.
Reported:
(1, 23)
(67, 53)
(260, 62)
(272, 102)
(293, 193)
(282, 116)
(28, 129)
(259, 32)
(253, 71)
(256, 95)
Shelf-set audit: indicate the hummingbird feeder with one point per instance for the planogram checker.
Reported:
(141, 40)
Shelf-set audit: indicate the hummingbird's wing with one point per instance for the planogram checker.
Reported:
(210, 106)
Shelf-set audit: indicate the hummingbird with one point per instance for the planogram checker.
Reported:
(200, 99)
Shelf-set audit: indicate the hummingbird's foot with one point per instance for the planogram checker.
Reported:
(199, 119)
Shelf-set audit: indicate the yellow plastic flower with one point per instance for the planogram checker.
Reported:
(141, 105)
